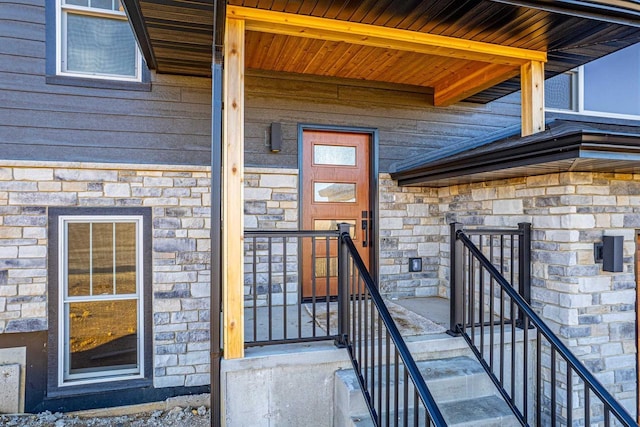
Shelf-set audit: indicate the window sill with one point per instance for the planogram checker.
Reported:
(99, 83)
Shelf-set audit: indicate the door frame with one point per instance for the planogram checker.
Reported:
(373, 181)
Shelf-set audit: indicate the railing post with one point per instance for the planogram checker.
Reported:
(524, 265)
(343, 287)
(456, 280)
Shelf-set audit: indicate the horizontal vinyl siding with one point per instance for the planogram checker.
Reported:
(171, 124)
(407, 123)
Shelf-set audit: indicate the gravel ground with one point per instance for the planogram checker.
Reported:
(178, 416)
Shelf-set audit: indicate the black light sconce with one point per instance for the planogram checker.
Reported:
(415, 265)
(609, 253)
(276, 137)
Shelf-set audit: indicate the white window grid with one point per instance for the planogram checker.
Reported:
(65, 378)
(62, 10)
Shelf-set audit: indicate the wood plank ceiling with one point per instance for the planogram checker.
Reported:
(180, 35)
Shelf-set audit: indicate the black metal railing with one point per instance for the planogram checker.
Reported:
(393, 387)
(540, 378)
(288, 277)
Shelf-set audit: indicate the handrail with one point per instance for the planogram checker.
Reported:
(611, 405)
(411, 369)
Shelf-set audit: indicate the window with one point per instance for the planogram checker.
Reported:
(609, 86)
(95, 40)
(100, 296)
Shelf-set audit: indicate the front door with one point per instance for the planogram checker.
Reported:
(335, 189)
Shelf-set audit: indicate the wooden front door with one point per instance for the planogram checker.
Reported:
(335, 189)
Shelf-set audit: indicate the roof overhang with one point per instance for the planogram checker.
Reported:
(463, 50)
(588, 150)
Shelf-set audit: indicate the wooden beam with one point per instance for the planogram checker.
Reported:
(470, 80)
(377, 36)
(232, 189)
(532, 84)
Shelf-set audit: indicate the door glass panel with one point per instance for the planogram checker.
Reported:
(334, 192)
(332, 225)
(321, 267)
(334, 155)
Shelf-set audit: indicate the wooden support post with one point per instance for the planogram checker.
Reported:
(532, 84)
(232, 189)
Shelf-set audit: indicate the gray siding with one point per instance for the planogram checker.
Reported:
(171, 124)
(407, 123)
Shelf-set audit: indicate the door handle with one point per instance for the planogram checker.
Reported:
(365, 233)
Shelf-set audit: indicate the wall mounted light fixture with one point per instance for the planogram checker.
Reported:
(276, 137)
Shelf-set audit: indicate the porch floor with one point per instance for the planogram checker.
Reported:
(435, 309)
(298, 319)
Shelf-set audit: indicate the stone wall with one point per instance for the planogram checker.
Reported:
(592, 310)
(271, 203)
(180, 201)
(410, 227)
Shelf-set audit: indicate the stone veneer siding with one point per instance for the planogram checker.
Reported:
(271, 203)
(410, 226)
(180, 201)
(592, 310)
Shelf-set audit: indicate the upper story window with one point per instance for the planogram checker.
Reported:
(94, 39)
(609, 87)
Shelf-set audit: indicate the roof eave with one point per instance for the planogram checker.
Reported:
(579, 145)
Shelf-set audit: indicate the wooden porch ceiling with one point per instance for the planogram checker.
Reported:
(177, 37)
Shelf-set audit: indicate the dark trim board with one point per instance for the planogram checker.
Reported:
(112, 399)
(113, 388)
(36, 364)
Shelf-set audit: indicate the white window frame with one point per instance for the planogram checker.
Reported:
(65, 378)
(579, 102)
(62, 10)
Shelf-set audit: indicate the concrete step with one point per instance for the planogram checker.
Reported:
(486, 411)
(451, 381)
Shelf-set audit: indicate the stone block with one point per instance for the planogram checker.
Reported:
(151, 181)
(57, 198)
(576, 178)
(594, 284)
(546, 222)
(26, 325)
(8, 252)
(631, 188)
(117, 190)
(197, 379)
(279, 181)
(32, 252)
(174, 245)
(577, 221)
(618, 297)
(169, 381)
(194, 358)
(418, 210)
(391, 223)
(622, 331)
(94, 175)
(257, 193)
(563, 316)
